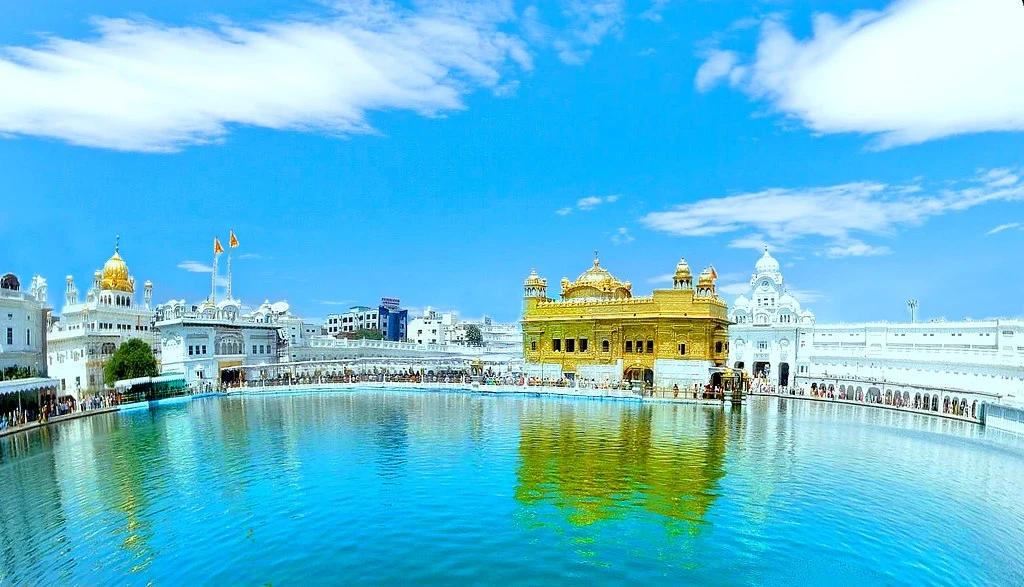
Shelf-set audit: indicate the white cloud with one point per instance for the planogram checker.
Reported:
(588, 203)
(335, 302)
(855, 248)
(661, 279)
(195, 267)
(1000, 177)
(253, 256)
(805, 296)
(586, 24)
(833, 213)
(1003, 227)
(140, 85)
(734, 289)
(653, 13)
(917, 71)
(717, 66)
(756, 242)
(647, 52)
(622, 236)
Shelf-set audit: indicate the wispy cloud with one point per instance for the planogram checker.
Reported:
(653, 12)
(587, 204)
(838, 214)
(851, 75)
(335, 302)
(734, 289)
(622, 236)
(141, 85)
(195, 267)
(756, 242)
(252, 256)
(661, 279)
(1003, 227)
(589, 22)
(805, 296)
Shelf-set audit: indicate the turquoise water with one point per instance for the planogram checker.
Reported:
(391, 487)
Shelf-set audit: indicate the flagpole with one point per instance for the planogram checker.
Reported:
(229, 272)
(213, 281)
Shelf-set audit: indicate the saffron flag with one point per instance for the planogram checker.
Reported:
(217, 249)
(232, 239)
(714, 274)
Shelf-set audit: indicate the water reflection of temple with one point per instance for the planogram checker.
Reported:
(607, 462)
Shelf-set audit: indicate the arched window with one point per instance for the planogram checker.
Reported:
(605, 346)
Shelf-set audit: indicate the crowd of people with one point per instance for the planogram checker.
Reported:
(956, 406)
(53, 407)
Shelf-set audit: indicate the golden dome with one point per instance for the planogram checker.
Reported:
(683, 269)
(707, 277)
(596, 282)
(534, 280)
(115, 274)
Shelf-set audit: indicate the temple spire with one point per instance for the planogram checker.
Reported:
(117, 243)
(597, 260)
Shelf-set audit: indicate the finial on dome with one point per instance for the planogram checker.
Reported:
(597, 260)
(117, 243)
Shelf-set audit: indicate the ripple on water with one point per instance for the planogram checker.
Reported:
(388, 487)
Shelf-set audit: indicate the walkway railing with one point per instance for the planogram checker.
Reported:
(794, 393)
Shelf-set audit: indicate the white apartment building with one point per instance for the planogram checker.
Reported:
(432, 328)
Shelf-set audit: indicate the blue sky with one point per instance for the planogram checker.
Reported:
(437, 151)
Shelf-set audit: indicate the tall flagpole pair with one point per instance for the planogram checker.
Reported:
(217, 250)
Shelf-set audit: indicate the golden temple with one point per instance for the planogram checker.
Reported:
(600, 331)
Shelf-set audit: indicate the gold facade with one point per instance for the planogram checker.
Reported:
(599, 322)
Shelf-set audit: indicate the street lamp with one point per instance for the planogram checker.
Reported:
(912, 306)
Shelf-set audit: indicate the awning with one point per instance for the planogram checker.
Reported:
(126, 383)
(32, 384)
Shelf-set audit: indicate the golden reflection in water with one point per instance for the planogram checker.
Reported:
(604, 464)
(130, 455)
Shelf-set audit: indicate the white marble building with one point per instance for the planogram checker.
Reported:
(939, 362)
(766, 326)
(210, 343)
(23, 318)
(81, 342)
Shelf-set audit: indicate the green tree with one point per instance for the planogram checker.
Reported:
(473, 336)
(368, 334)
(133, 359)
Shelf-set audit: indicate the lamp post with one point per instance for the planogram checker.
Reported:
(912, 306)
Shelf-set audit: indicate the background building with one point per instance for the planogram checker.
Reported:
(23, 322)
(765, 326)
(210, 343)
(599, 331)
(81, 342)
(388, 319)
(774, 339)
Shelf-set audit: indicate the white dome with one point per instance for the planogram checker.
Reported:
(767, 263)
(741, 302)
(788, 300)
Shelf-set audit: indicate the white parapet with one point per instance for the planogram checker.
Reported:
(684, 373)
